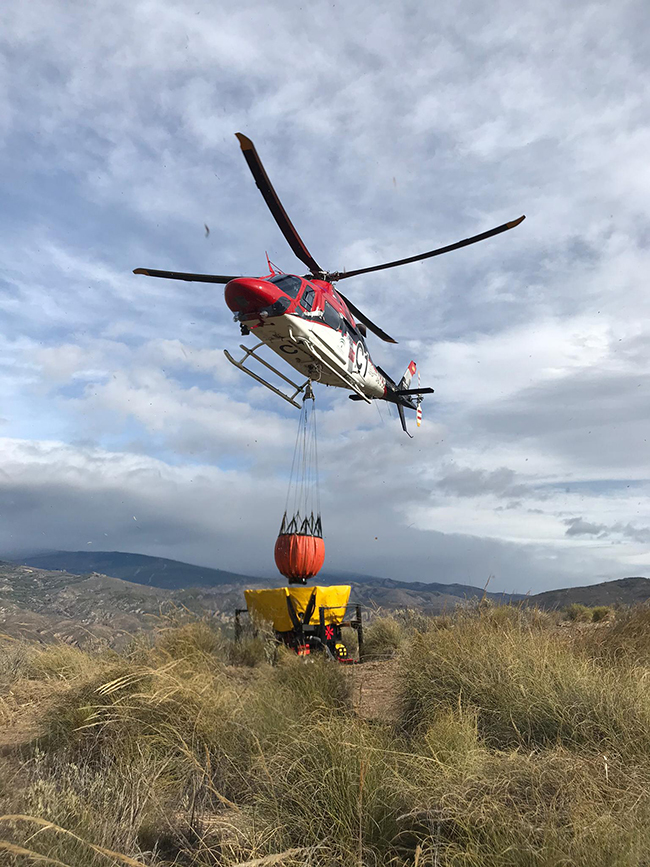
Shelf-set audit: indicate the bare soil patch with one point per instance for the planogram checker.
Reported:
(374, 691)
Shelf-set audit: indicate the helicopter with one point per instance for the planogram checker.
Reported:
(311, 325)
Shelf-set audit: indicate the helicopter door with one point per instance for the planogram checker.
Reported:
(357, 354)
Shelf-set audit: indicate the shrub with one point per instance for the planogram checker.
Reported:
(414, 620)
(578, 613)
(599, 613)
(106, 804)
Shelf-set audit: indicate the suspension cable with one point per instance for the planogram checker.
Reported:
(302, 504)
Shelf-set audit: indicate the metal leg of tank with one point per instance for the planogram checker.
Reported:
(359, 627)
(321, 626)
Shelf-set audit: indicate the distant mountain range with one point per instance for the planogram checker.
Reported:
(74, 595)
(175, 575)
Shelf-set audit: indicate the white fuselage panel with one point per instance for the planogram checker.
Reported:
(321, 353)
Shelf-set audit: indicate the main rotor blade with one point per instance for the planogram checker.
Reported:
(438, 252)
(354, 310)
(180, 275)
(274, 204)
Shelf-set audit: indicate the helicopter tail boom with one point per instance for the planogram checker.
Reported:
(402, 395)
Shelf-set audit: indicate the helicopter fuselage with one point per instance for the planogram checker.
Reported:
(306, 323)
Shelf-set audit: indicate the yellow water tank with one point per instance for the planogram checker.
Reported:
(271, 605)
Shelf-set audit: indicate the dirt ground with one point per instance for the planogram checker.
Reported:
(374, 692)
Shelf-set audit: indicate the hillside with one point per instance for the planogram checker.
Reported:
(433, 598)
(46, 605)
(625, 591)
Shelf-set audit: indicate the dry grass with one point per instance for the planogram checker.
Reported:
(383, 637)
(625, 640)
(517, 743)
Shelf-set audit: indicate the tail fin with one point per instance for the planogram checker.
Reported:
(405, 396)
(409, 373)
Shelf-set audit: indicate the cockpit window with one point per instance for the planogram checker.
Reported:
(288, 284)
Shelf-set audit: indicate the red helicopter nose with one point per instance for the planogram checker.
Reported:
(250, 294)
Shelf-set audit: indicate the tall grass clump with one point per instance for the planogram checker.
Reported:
(498, 808)
(334, 788)
(600, 613)
(14, 657)
(529, 686)
(625, 640)
(523, 749)
(171, 740)
(197, 641)
(383, 637)
(57, 661)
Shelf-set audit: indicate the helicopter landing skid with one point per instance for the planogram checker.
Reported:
(250, 353)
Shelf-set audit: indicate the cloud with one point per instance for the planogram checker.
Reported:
(467, 482)
(579, 527)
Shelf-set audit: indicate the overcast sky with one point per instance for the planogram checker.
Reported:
(387, 129)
